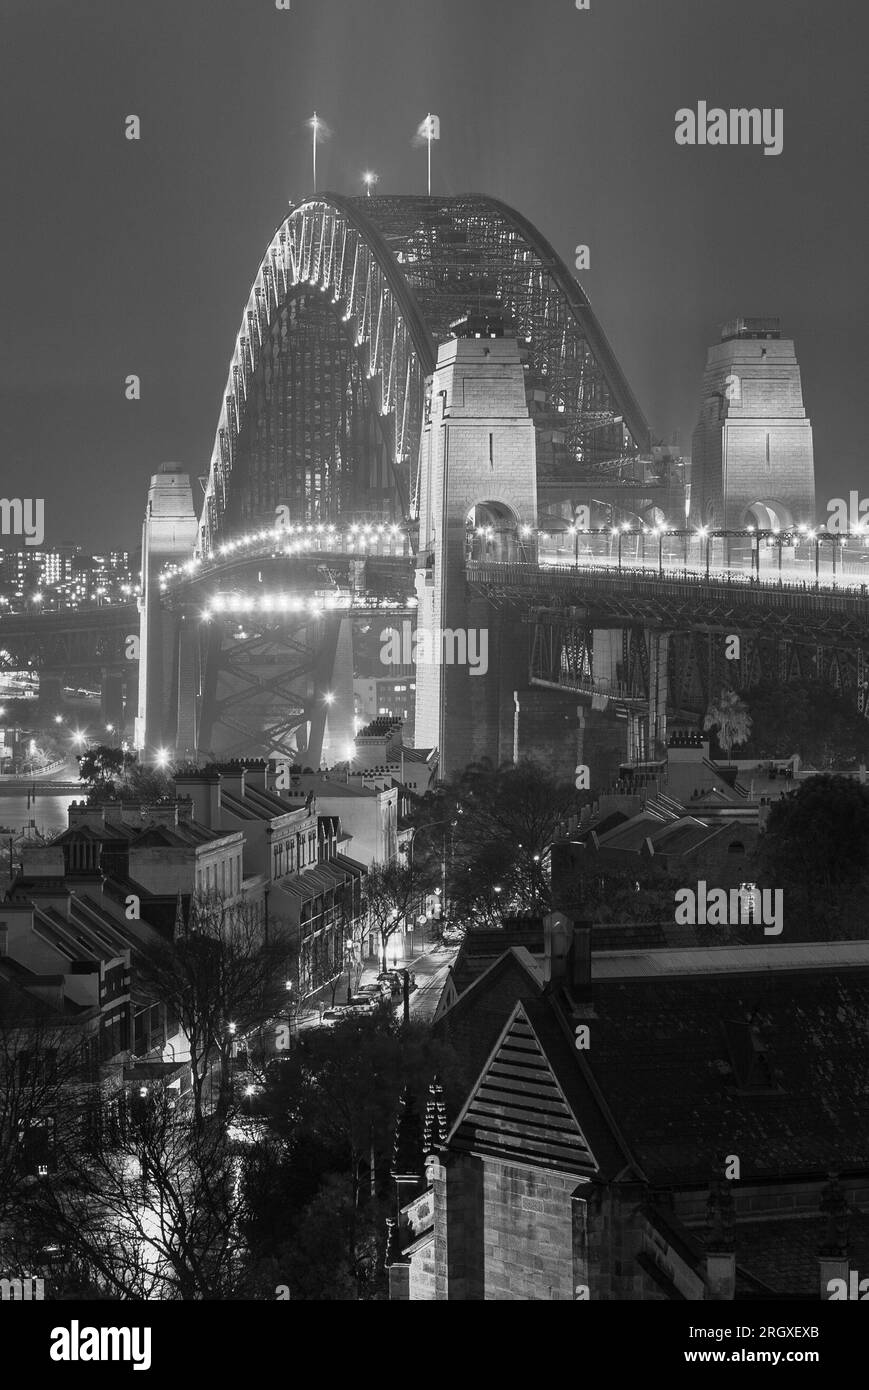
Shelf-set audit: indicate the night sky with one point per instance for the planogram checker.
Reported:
(120, 257)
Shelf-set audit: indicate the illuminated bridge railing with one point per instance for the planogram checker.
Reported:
(296, 542)
(794, 598)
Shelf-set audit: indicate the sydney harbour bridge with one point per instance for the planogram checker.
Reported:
(331, 506)
(314, 481)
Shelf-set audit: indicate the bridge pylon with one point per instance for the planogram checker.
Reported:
(752, 455)
(477, 499)
(168, 534)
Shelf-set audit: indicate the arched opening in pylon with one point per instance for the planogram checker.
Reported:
(493, 533)
(769, 516)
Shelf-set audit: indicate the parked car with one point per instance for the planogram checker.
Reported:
(392, 979)
(361, 1004)
(380, 989)
(396, 980)
(334, 1015)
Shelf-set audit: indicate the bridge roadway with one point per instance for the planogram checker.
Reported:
(683, 599)
(68, 639)
(89, 637)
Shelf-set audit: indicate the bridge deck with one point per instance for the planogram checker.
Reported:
(690, 601)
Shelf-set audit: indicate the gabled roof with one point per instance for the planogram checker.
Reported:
(185, 835)
(257, 804)
(518, 1110)
(480, 949)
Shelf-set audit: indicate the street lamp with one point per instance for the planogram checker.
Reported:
(291, 1012)
(231, 1030)
(368, 178)
(703, 535)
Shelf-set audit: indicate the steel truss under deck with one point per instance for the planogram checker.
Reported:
(783, 635)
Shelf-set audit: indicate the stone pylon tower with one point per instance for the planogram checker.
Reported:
(752, 457)
(169, 533)
(478, 501)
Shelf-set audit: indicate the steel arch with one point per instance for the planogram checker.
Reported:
(376, 283)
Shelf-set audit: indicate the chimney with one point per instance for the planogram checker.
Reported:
(233, 778)
(80, 813)
(557, 937)
(203, 789)
(721, 1275)
(720, 1243)
(579, 961)
(833, 1256)
(256, 775)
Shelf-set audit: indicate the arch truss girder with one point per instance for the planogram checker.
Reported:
(326, 382)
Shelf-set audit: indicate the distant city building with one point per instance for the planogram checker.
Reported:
(382, 760)
(66, 577)
(386, 696)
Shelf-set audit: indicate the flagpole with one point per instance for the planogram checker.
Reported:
(428, 142)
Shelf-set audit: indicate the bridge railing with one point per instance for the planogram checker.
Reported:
(795, 597)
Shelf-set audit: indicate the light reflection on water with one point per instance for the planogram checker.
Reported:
(47, 810)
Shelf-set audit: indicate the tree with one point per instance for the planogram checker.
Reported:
(729, 717)
(150, 1206)
(807, 716)
(339, 1089)
(816, 849)
(100, 764)
(391, 898)
(222, 980)
(330, 1105)
(43, 1079)
(492, 829)
(148, 783)
(315, 1261)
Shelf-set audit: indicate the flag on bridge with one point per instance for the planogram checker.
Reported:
(429, 129)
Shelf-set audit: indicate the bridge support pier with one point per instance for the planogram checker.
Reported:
(478, 492)
(112, 698)
(659, 644)
(282, 687)
(169, 533)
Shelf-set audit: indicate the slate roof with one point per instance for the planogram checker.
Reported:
(186, 835)
(256, 804)
(480, 949)
(782, 1253)
(713, 1052)
(660, 1055)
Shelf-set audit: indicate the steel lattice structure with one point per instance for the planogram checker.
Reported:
(325, 396)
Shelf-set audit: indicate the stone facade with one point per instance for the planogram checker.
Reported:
(478, 451)
(752, 457)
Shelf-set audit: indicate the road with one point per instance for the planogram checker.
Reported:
(430, 969)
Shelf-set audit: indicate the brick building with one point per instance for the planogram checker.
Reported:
(646, 1125)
